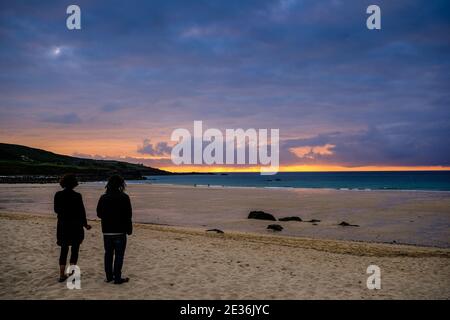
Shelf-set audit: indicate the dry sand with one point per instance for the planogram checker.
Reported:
(181, 263)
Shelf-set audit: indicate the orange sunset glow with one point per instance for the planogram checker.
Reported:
(306, 168)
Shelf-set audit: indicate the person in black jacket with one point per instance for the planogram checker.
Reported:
(69, 207)
(114, 209)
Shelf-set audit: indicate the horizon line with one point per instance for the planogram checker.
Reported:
(306, 170)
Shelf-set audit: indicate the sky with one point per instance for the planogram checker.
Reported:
(343, 97)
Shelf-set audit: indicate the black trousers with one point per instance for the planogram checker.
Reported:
(115, 246)
(75, 248)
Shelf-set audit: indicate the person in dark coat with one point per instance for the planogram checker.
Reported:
(114, 209)
(69, 207)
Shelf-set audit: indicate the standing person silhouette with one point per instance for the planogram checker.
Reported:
(69, 207)
(114, 209)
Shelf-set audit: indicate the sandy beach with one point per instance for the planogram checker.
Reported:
(184, 263)
(173, 258)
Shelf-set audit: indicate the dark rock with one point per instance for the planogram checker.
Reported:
(215, 230)
(275, 227)
(290, 219)
(313, 220)
(261, 215)
(346, 224)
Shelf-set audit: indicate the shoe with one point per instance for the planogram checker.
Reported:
(108, 280)
(121, 280)
(62, 279)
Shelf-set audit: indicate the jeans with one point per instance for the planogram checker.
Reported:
(114, 252)
(73, 254)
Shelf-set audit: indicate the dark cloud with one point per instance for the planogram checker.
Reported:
(157, 149)
(111, 107)
(68, 118)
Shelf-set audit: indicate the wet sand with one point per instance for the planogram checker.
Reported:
(409, 217)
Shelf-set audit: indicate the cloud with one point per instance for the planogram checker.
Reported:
(310, 68)
(404, 144)
(311, 152)
(155, 163)
(159, 149)
(111, 107)
(67, 118)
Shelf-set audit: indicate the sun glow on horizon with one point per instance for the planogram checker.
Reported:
(122, 150)
(301, 168)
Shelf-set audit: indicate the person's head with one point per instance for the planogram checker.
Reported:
(115, 183)
(68, 181)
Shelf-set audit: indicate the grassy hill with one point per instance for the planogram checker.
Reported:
(17, 160)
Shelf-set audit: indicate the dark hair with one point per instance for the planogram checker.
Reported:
(68, 181)
(115, 183)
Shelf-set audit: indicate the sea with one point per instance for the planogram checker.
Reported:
(398, 180)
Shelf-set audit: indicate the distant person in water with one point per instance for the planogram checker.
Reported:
(69, 207)
(114, 209)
